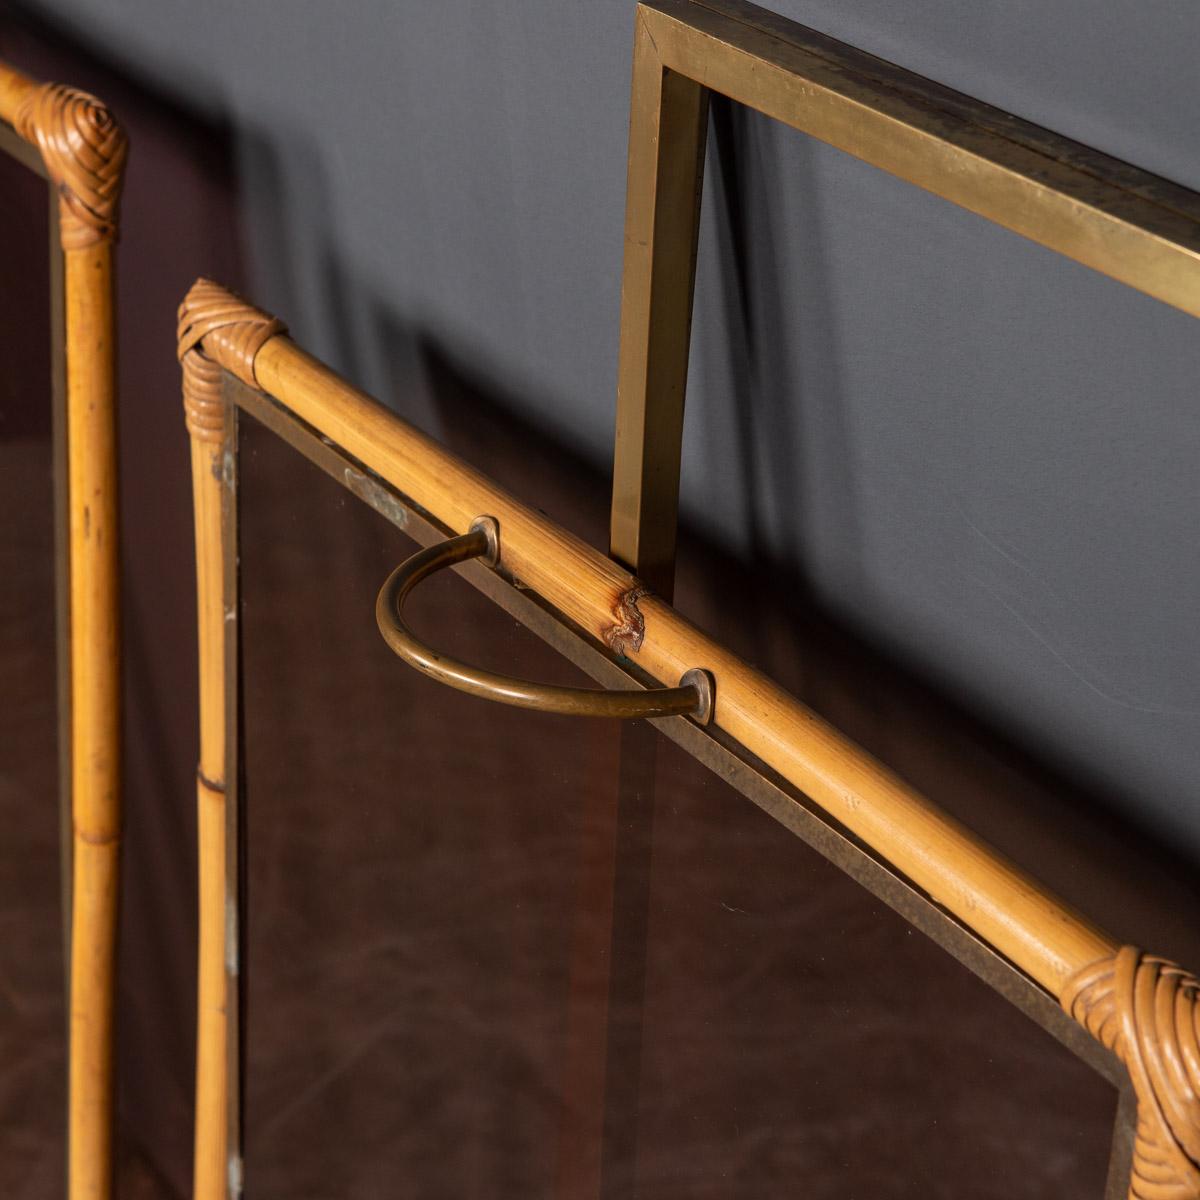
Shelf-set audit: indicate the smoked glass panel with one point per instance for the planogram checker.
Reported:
(411, 871)
(430, 968)
(797, 1029)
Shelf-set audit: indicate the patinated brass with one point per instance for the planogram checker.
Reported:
(1139, 229)
(692, 698)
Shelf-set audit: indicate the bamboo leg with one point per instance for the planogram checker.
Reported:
(212, 425)
(95, 692)
(207, 416)
(83, 150)
(62, 583)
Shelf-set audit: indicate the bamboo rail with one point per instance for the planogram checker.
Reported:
(14, 87)
(1154, 1029)
(83, 150)
(1045, 938)
(216, 1171)
(209, 1168)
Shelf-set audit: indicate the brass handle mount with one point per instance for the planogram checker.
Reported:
(693, 697)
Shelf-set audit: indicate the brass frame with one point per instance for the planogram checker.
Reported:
(73, 141)
(1133, 1016)
(1135, 227)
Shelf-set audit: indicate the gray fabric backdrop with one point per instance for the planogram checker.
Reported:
(979, 456)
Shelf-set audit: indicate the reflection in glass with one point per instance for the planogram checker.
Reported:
(32, 1012)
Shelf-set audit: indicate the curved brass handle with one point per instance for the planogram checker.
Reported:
(692, 697)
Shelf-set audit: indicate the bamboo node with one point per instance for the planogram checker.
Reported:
(96, 839)
(1145, 1010)
(228, 329)
(212, 785)
(84, 149)
(625, 635)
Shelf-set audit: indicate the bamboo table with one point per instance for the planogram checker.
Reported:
(1132, 1015)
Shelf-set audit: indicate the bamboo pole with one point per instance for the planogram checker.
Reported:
(1041, 934)
(95, 720)
(84, 150)
(14, 87)
(206, 421)
(215, 1172)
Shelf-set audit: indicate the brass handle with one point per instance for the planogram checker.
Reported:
(692, 697)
